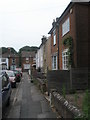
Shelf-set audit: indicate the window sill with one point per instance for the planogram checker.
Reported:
(54, 45)
(65, 34)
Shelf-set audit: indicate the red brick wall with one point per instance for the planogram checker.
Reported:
(71, 33)
(54, 48)
(82, 35)
(16, 61)
(79, 33)
(24, 62)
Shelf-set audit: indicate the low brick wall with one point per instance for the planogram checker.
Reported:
(41, 84)
(64, 108)
(40, 75)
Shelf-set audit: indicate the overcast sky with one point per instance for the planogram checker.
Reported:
(24, 22)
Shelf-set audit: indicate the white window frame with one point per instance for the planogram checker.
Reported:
(54, 37)
(66, 26)
(27, 59)
(54, 62)
(65, 59)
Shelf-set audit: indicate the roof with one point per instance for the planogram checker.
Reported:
(59, 19)
(28, 54)
(6, 55)
(71, 4)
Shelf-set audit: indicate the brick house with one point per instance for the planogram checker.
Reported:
(10, 60)
(27, 60)
(72, 24)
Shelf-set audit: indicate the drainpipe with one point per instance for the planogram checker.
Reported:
(58, 42)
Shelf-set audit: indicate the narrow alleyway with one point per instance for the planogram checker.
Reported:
(29, 102)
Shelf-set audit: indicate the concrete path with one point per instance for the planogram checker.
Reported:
(29, 102)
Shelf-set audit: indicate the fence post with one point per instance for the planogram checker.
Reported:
(71, 78)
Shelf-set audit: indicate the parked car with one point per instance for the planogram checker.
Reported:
(6, 89)
(12, 78)
(0, 96)
(18, 75)
(20, 70)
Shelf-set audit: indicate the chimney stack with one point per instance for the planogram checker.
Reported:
(53, 24)
(44, 39)
(57, 19)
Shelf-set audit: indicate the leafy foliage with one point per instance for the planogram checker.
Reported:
(68, 42)
(4, 50)
(28, 48)
(86, 105)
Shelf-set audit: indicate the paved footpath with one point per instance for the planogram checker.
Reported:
(29, 102)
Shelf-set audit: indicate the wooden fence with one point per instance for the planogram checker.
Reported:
(74, 79)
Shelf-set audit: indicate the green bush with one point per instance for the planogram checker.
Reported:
(86, 105)
(64, 91)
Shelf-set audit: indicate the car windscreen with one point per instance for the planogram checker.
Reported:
(11, 74)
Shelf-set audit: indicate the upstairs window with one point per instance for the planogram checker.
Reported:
(54, 37)
(13, 61)
(66, 27)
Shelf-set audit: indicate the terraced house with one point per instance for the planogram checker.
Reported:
(43, 55)
(69, 37)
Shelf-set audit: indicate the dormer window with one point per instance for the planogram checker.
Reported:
(54, 37)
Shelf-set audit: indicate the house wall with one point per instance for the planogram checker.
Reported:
(71, 33)
(16, 62)
(54, 48)
(39, 58)
(48, 54)
(78, 15)
(29, 63)
(82, 35)
(44, 58)
(36, 55)
(89, 39)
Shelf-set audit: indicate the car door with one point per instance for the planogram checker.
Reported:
(5, 90)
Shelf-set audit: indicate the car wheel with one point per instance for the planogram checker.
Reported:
(15, 85)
